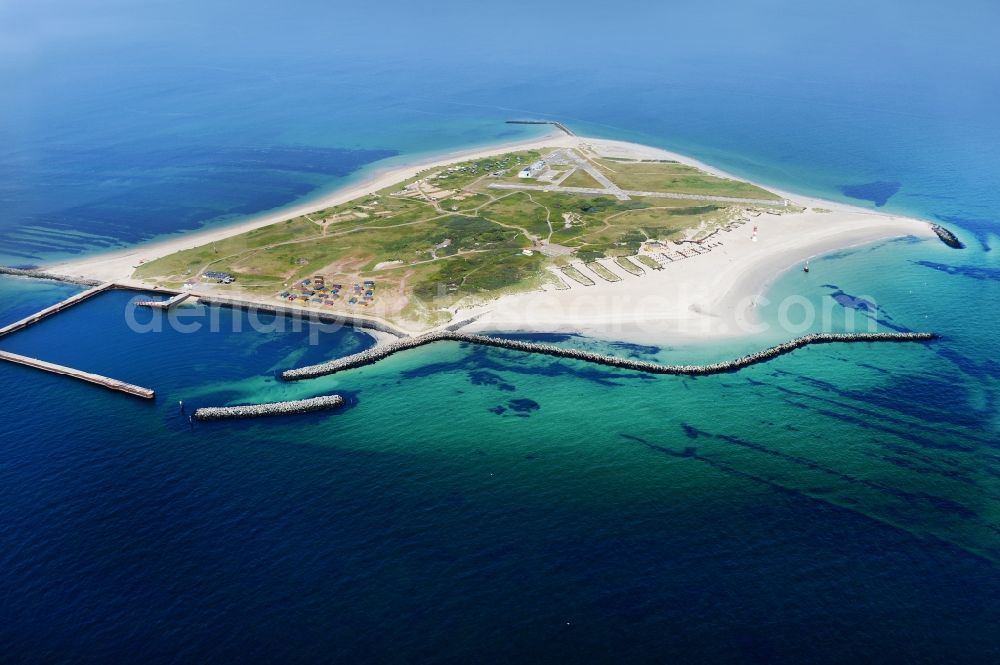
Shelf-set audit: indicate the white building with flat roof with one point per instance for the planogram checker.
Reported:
(533, 170)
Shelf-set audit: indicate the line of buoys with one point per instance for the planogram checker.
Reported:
(377, 353)
(270, 409)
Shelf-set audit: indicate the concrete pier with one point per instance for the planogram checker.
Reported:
(54, 309)
(554, 123)
(164, 304)
(379, 352)
(111, 384)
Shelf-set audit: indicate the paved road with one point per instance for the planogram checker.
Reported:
(598, 175)
(624, 195)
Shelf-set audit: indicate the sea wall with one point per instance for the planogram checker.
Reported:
(62, 370)
(345, 320)
(271, 409)
(379, 352)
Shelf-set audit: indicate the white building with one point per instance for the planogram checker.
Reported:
(533, 170)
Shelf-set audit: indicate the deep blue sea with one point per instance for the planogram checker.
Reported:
(839, 504)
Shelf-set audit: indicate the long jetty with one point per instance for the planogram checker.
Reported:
(112, 384)
(54, 309)
(321, 403)
(554, 123)
(383, 351)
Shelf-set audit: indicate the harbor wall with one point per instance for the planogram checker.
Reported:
(52, 368)
(345, 320)
(54, 309)
(379, 352)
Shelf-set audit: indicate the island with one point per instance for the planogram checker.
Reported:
(563, 234)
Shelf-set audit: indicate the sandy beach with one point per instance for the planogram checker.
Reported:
(710, 295)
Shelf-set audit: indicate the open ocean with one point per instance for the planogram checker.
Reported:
(838, 504)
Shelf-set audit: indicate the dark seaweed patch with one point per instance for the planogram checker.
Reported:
(974, 272)
(480, 358)
(692, 432)
(484, 378)
(980, 228)
(866, 307)
(914, 498)
(523, 405)
(878, 192)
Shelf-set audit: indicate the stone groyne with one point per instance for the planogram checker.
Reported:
(271, 409)
(377, 353)
(41, 274)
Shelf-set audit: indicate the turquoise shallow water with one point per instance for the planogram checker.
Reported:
(838, 504)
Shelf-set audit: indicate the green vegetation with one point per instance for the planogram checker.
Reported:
(648, 176)
(603, 272)
(518, 210)
(445, 235)
(577, 276)
(477, 274)
(648, 261)
(626, 264)
(580, 178)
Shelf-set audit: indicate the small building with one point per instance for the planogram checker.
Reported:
(532, 170)
(220, 277)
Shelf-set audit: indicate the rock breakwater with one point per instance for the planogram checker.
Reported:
(377, 353)
(270, 409)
